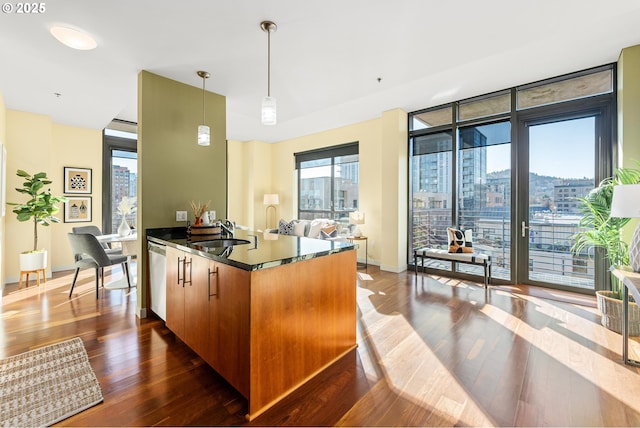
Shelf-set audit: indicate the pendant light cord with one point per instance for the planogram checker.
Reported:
(203, 115)
(269, 62)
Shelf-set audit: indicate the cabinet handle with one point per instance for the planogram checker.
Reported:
(179, 270)
(184, 275)
(212, 272)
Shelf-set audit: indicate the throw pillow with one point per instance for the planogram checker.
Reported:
(285, 228)
(299, 228)
(460, 241)
(329, 229)
(332, 234)
(315, 228)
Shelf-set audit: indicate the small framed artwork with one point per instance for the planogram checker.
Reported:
(77, 180)
(77, 209)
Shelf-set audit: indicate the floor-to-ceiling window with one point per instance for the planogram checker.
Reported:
(328, 182)
(120, 174)
(509, 166)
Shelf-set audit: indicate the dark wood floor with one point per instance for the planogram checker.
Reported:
(432, 351)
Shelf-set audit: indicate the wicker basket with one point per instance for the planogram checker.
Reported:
(611, 310)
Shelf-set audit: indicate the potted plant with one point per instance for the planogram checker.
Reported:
(41, 209)
(599, 230)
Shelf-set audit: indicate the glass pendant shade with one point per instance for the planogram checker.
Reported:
(269, 115)
(204, 138)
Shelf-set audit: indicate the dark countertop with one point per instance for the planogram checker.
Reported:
(260, 253)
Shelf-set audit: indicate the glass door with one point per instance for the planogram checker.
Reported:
(560, 166)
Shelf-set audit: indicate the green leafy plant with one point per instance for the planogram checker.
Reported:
(41, 206)
(599, 229)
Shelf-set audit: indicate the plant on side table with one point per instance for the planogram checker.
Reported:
(41, 209)
(600, 230)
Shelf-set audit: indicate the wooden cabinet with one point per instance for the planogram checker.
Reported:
(229, 324)
(196, 307)
(265, 331)
(187, 299)
(175, 291)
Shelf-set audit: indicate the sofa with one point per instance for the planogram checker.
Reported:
(320, 228)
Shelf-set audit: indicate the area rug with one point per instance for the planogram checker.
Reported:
(46, 385)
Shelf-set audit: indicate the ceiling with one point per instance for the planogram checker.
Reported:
(333, 62)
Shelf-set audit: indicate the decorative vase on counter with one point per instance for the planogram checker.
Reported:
(124, 229)
(205, 218)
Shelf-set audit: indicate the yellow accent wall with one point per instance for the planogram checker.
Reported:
(35, 144)
(629, 115)
(382, 187)
(29, 147)
(250, 171)
(172, 169)
(82, 148)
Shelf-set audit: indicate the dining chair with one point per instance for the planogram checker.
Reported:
(89, 253)
(95, 231)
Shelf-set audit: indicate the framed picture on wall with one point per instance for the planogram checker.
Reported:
(77, 209)
(77, 180)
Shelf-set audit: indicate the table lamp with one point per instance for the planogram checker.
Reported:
(626, 204)
(356, 217)
(270, 200)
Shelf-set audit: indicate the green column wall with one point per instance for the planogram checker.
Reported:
(172, 169)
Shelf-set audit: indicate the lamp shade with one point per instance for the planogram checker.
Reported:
(204, 138)
(356, 217)
(626, 201)
(269, 111)
(271, 199)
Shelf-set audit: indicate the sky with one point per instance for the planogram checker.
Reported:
(561, 149)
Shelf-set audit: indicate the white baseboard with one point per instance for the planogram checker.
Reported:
(394, 269)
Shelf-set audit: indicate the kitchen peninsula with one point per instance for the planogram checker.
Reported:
(267, 314)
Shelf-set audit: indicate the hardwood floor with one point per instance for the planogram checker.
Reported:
(432, 351)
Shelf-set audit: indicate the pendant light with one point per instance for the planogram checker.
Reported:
(268, 103)
(204, 138)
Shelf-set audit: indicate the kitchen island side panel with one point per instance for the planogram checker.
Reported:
(303, 318)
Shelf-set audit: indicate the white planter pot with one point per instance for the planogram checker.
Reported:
(611, 310)
(33, 261)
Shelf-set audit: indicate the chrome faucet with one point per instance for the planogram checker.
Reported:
(228, 227)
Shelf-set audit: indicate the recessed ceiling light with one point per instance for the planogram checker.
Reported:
(73, 38)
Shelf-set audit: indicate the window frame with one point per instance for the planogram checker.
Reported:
(331, 153)
(110, 143)
(606, 156)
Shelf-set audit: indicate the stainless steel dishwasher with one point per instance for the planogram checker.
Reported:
(158, 278)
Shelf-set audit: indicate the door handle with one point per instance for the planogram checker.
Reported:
(524, 229)
(180, 261)
(212, 272)
(184, 273)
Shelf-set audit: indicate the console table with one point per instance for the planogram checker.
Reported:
(631, 282)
